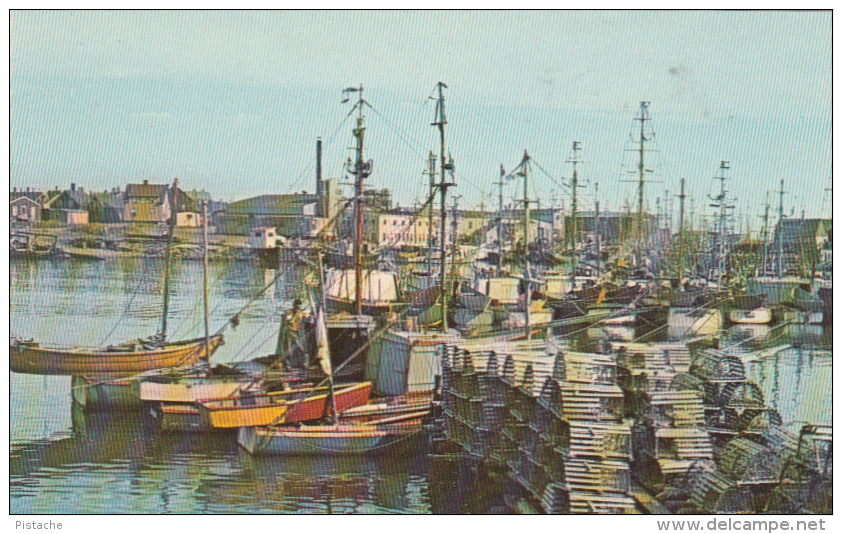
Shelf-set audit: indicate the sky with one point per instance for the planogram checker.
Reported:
(232, 102)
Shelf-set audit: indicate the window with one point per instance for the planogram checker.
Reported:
(32, 212)
(134, 214)
(14, 211)
(257, 234)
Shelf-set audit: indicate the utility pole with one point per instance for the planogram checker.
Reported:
(443, 184)
(500, 222)
(681, 197)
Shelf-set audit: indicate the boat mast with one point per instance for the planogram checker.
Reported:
(167, 261)
(781, 230)
(577, 146)
(723, 206)
(681, 197)
(431, 171)
(454, 247)
(500, 221)
(361, 170)
(527, 281)
(598, 230)
(644, 116)
(440, 121)
(765, 235)
(205, 275)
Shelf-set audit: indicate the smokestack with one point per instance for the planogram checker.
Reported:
(319, 159)
(73, 187)
(320, 208)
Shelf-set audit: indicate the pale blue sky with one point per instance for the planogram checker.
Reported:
(233, 102)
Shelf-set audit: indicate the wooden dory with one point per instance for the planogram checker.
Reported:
(339, 439)
(281, 407)
(120, 360)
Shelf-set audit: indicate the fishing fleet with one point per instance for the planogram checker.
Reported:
(468, 346)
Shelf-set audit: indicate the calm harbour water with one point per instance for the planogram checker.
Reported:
(65, 461)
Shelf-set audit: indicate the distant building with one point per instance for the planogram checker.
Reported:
(802, 244)
(395, 228)
(107, 207)
(69, 207)
(146, 203)
(26, 205)
(292, 215)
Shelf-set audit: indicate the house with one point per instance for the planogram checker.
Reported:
(107, 207)
(26, 205)
(69, 207)
(188, 212)
(146, 203)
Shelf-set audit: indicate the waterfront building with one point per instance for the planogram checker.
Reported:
(26, 205)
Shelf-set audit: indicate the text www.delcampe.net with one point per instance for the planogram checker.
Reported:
(751, 525)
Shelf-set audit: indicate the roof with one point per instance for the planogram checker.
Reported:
(186, 203)
(31, 195)
(272, 204)
(200, 196)
(23, 199)
(146, 190)
(108, 199)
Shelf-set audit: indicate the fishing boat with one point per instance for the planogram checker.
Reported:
(378, 292)
(292, 406)
(126, 359)
(120, 360)
(339, 439)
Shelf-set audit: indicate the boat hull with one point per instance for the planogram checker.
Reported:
(329, 440)
(279, 408)
(191, 390)
(37, 360)
(93, 394)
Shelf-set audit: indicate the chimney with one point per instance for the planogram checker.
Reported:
(146, 182)
(27, 190)
(14, 190)
(73, 187)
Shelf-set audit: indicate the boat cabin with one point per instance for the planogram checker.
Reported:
(263, 237)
